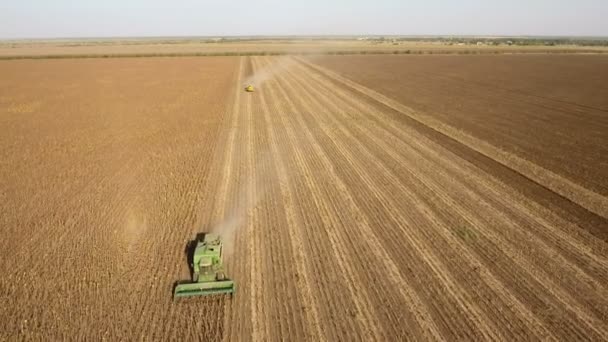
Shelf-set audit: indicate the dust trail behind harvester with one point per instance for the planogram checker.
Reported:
(279, 63)
(250, 195)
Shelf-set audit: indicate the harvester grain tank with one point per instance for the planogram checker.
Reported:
(208, 276)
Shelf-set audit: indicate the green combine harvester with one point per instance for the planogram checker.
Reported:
(208, 276)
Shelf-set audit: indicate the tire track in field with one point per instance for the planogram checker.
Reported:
(590, 200)
(345, 138)
(275, 98)
(262, 230)
(315, 242)
(256, 226)
(384, 147)
(594, 289)
(223, 161)
(322, 241)
(244, 251)
(370, 237)
(241, 322)
(252, 315)
(292, 226)
(432, 260)
(258, 321)
(581, 241)
(282, 302)
(412, 302)
(580, 245)
(297, 219)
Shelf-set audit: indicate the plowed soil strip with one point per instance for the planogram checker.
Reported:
(569, 240)
(298, 272)
(592, 201)
(319, 235)
(387, 148)
(324, 121)
(433, 263)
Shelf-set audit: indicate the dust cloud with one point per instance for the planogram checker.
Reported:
(282, 63)
(250, 195)
(279, 63)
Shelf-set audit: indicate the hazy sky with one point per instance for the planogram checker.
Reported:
(108, 18)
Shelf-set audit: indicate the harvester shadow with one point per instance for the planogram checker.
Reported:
(189, 253)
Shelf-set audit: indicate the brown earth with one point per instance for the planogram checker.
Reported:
(355, 217)
(551, 110)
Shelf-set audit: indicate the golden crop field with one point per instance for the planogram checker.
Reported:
(360, 197)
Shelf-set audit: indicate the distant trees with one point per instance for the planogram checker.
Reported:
(521, 41)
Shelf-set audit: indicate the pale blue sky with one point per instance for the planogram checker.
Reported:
(109, 18)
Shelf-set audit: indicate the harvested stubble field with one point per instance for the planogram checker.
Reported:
(375, 198)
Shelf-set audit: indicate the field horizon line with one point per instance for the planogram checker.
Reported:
(304, 53)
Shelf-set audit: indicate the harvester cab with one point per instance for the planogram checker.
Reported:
(207, 270)
(249, 88)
